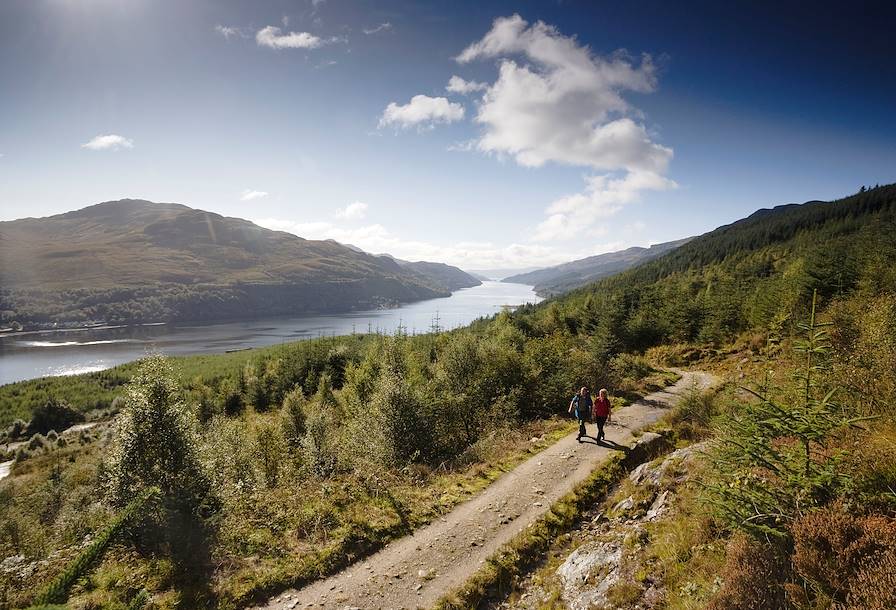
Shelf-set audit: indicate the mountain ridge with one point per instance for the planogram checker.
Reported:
(133, 260)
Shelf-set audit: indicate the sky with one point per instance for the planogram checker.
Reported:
(481, 134)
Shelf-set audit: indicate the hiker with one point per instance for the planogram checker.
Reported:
(602, 410)
(580, 405)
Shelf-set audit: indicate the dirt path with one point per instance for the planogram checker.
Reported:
(415, 571)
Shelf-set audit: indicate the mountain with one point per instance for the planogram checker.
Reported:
(441, 274)
(563, 278)
(438, 275)
(139, 261)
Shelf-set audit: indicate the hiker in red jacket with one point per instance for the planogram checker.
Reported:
(601, 412)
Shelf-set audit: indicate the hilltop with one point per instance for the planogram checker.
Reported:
(137, 261)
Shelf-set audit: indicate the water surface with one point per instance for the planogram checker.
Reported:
(27, 356)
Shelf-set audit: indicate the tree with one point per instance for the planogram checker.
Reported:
(156, 443)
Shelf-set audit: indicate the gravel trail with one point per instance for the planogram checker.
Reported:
(415, 571)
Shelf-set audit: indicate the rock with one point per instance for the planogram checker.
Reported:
(658, 507)
(623, 506)
(647, 439)
(588, 573)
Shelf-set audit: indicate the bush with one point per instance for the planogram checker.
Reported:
(398, 434)
(839, 553)
(16, 429)
(269, 451)
(38, 441)
(630, 366)
(227, 457)
(156, 444)
(294, 418)
(753, 577)
(53, 415)
(320, 446)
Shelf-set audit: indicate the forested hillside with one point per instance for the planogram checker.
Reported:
(756, 273)
(136, 261)
(563, 278)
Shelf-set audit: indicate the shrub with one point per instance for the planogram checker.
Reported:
(753, 577)
(397, 432)
(227, 457)
(38, 441)
(156, 444)
(230, 396)
(833, 547)
(692, 416)
(293, 421)
(630, 366)
(16, 429)
(320, 444)
(53, 415)
(772, 462)
(269, 451)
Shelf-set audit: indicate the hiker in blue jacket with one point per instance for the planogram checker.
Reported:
(581, 405)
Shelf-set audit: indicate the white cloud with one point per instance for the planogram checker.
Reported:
(229, 32)
(380, 28)
(458, 85)
(353, 211)
(250, 195)
(377, 239)
(273, 37)
(421, 111)
(564, 104)
(604, 196)
(285, 21)
(108, 142)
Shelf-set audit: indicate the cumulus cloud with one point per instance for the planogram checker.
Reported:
(108, 142)
(353, 211)
(458, 85)
(604, 196)
(422, 111)
(274, 38)
(250, 195)
(380, 28)
(565, 105)
(556, 101)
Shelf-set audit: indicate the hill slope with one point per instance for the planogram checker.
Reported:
(567, 276)
(441, 274)
(756, 273)
(134, 260)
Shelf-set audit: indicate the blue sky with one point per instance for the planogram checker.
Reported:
(575, 128)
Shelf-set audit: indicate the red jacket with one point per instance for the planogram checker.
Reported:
(601, 407)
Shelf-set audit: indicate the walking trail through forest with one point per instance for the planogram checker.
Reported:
(415, 571)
